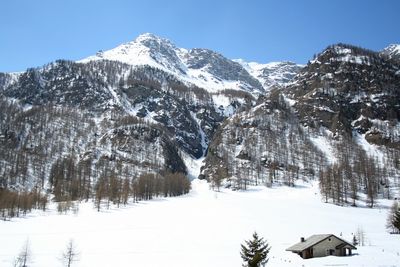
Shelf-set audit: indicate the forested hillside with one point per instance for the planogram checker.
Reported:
(337, 121)
(117, 131)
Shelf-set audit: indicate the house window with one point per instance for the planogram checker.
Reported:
(329, 239)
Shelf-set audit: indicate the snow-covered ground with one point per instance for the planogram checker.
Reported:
(203, 228)
(323, 144)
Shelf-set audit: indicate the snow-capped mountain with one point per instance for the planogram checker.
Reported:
(273, 74)
(128, 124)
(146, 49)
(201, 67)
(393, 51)
(137, 109)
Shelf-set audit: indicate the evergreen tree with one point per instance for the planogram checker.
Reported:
(254, 252)
(393, 219)
(396, 221)
(355, 241)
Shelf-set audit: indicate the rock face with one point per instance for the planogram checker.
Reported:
(149, 78)
(221, 68)
(104, 86)
(339, 115)
(344, 87)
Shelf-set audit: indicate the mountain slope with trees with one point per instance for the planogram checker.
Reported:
(337, 121)
(109, 128)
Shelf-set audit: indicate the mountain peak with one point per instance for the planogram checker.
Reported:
(204, 68)
(393, 47)
(146, 49)
(152, 39)
(392, 51)
(147, 35)
(345, 53)
(151, 36)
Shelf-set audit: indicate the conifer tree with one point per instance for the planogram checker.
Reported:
(355, 240)
(393, 219)
(396, 220)
(255, 252)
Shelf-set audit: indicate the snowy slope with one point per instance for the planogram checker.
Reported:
(157, 52)
(273, 73)
(204, 228)
(201, 67)
(147, 49)
(393, 51)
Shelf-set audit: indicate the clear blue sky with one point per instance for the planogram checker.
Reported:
(35, 32)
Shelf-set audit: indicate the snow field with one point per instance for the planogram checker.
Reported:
(203, 228)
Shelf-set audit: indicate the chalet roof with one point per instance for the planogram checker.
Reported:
(309, 242)
(313, 240)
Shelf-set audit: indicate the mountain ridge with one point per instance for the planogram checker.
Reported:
(197, 66)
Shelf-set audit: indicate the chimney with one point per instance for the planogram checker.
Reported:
(302, 239)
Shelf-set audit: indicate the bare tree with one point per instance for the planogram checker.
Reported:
(360, 235)
(24, 257)
(70, 254)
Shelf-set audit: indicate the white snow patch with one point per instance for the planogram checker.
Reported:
(375, 97)
(358, 97)
(224, 102)
(341, 50)
(371, 149)
(221, 100)
(322, 143)
(354, 59)
(323, 108)
(291, 102)
(193, 165)
(203, 228)
(269, 74)
(357, 120)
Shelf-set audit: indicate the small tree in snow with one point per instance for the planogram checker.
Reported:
(355, 241)
(255, 251)
(24, 257)
(393, 219)
(397, 221)
(70, 254)
(360, 236)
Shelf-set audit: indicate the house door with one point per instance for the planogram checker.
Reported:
(330, 252)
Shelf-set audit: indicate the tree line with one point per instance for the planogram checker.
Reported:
(114, 189)
(15, 204)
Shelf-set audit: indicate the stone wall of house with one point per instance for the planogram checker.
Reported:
(320, 249)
